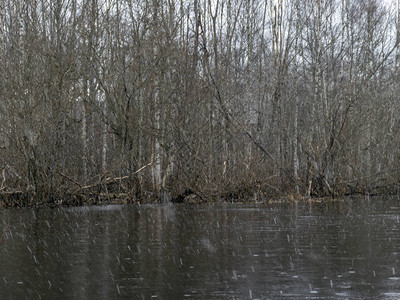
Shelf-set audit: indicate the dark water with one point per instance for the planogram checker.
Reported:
(347, 249)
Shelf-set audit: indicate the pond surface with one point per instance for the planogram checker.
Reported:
(348, 249)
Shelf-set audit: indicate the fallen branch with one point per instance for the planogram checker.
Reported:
(109, 180)
(230, 117)
(70, 179)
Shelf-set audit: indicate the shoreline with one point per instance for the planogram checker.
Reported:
(19, 199)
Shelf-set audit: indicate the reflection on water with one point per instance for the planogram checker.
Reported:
(347, 249)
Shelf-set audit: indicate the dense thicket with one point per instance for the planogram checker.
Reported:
(161, 98)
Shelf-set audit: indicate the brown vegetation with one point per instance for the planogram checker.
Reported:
(162, 100)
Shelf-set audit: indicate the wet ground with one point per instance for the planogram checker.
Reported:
(345, 249)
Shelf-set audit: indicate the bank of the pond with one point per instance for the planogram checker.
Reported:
(19, 199)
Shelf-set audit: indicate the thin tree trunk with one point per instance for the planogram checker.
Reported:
(84, 137)
(157, 176)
